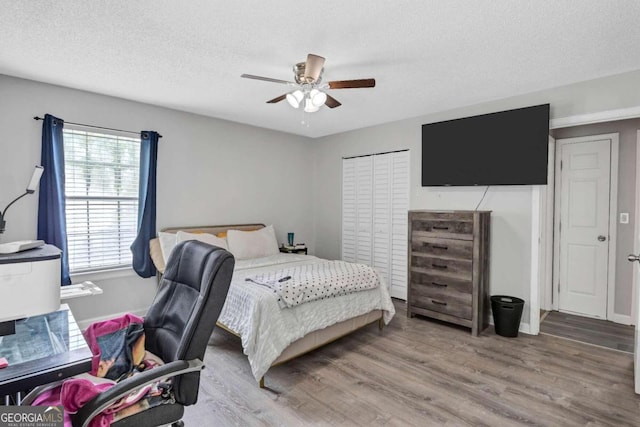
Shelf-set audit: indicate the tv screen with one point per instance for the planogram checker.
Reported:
(505, 148)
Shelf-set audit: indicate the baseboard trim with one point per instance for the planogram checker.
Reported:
(525, 329)
(84, 324)
(621, 319)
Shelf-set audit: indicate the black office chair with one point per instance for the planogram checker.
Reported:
(177, 328)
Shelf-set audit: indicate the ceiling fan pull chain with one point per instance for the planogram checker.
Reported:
(304, 122)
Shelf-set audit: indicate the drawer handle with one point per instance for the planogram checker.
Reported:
(439, 266)
(439, 227)
(435, 301)
(444, 248)
(442, 285)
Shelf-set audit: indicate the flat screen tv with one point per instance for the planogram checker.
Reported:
(504, 148)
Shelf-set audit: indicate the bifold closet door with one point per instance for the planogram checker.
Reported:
(349, 218)
(390, 219)
(357, 214)
(375, 204)
(399, 223)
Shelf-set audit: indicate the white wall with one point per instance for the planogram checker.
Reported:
(209, 172)
(511, 205)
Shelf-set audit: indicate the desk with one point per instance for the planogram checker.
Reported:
(44, 349)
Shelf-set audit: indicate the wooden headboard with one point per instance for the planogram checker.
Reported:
(156, 251)
(214, 229)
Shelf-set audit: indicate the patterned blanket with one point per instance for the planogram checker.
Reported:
(310, 282)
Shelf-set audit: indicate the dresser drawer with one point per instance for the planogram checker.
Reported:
(447, 248)
(441, 266)
(445, 229)
(440, 283)
(446, 301)
(443, 224)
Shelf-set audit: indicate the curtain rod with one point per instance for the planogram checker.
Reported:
(97, 127)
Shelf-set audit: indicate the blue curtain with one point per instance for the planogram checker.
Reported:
(52, 224)
(142, 263)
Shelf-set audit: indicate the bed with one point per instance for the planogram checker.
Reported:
(272, 333)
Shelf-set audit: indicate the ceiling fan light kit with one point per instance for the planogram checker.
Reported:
(294, 98)
(309, 86)
(317, 98)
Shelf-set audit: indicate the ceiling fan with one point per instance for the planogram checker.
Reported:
(309, 91)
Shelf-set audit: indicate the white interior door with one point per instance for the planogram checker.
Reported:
(636, 278)
(635, 258)
(585, 179)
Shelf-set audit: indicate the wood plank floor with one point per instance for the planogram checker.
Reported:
(418, 372)
(592, 331)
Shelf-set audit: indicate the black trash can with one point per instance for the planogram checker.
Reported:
(507, 312)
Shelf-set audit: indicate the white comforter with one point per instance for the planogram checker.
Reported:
(266, 330)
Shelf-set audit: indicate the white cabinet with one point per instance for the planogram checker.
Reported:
(375, 202)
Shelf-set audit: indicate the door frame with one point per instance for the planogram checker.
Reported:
(546, 238)
(613, 214)
(546, 207)
(635, 295)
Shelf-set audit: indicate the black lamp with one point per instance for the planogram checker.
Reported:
(31, 188)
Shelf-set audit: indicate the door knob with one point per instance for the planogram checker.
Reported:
(633, 257)
(602, 238)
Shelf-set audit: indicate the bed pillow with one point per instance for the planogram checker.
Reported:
(253, 244)
(202, 237)
(167, 243)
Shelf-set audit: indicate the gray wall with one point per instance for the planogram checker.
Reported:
(209, 172)
(511, 205)
(626, 199)
(213, 171)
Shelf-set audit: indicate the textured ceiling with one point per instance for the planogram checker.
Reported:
(426, 56)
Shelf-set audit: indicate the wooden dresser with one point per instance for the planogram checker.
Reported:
(449, 267)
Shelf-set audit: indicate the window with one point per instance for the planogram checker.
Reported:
(101, 194)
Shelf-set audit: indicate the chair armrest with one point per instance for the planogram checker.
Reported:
(123, 388)
(29, 398)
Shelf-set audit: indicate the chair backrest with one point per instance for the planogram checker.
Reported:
(184, 312)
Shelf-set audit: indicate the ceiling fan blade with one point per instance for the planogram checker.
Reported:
(331, 102)
(267, 79)
(351, 84)
(313, 68)
(278, 99)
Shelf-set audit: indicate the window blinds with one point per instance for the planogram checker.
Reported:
(101, 193)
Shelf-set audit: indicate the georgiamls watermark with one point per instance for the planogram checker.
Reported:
(31, 416)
